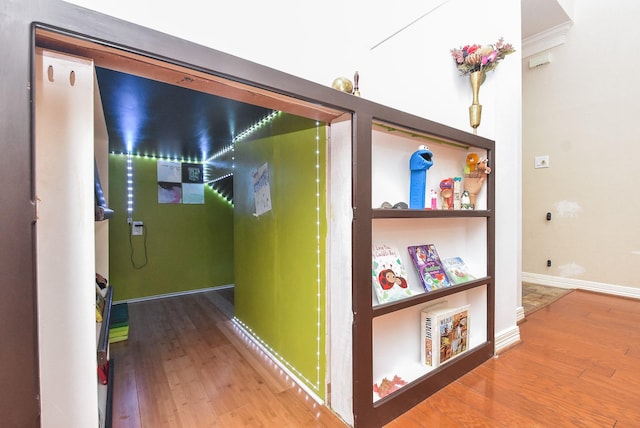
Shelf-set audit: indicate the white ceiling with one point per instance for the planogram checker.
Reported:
(539, 16)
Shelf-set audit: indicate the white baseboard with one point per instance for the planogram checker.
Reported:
(179, 293)
(507, 338)
(519, 313)
(579, 284)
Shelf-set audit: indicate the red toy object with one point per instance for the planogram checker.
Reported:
(387, 386)
(446, 192)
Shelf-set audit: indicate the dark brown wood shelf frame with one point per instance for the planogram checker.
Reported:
(368, 413)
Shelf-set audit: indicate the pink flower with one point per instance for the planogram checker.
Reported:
(475, 57)
(457, 55)
(470, 49)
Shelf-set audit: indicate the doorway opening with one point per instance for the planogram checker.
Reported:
(202, 81)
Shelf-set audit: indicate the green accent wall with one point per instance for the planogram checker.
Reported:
(188, 247)
(280, 255)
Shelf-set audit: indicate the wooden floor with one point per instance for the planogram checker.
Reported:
(578, 366)
(186, 366)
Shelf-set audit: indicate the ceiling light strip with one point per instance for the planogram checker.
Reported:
(219, 178)
(158, 157)
(253, 128)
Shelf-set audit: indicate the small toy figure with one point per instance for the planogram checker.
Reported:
(474, 179)
(434, 200)
(483, 166)
(466, 201)
(446, 192)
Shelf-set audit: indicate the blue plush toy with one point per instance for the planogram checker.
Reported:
(419, 163)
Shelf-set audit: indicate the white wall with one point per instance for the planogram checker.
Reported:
(581, 110)
(65, 242)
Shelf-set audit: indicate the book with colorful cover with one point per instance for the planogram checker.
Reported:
(444, 334)
(457, 270)
(429, 266)
(388, 274)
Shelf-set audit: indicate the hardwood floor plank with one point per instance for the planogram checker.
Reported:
(125, 391)
(258, 362)
(186, 365)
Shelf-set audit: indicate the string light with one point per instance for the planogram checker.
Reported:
(318, 255)
(272, 353)
(312, 387)
(248, 334)
(219, 178)
(253, 128)
(129, 187)
(219, 154)
(220, 195)
(157, 157)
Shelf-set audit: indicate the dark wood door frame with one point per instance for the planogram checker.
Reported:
(82, 29)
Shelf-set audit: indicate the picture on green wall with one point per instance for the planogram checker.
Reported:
(180, 182)
(169, 193)
(261, 189)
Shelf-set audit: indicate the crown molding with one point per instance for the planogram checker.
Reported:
(545, 40)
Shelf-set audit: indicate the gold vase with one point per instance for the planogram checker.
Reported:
(475, 109)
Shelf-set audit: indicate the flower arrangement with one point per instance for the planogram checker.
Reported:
(472, 58)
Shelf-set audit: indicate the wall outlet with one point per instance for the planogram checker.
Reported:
(541, 162)
(137, 228)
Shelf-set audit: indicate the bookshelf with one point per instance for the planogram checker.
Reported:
(387, 336)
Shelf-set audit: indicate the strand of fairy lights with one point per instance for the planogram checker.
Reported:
(244, 327)
(157, 157)
(264, 345)
(219, 178)
(253, 128)
(318, 256)
(251, 335)
(129, 187)
(131, 156)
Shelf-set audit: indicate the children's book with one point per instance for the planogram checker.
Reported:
(429, 266)
(388, 274)
(444, 334)
(457, 270)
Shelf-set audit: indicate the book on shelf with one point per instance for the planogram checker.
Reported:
(429, 266)
(388, 274)
(457, 270)
(119, 313)
(117, 339)
(119, 331)
(444, 334)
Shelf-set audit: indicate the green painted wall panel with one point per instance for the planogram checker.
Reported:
(188, 246)
(280, 282)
